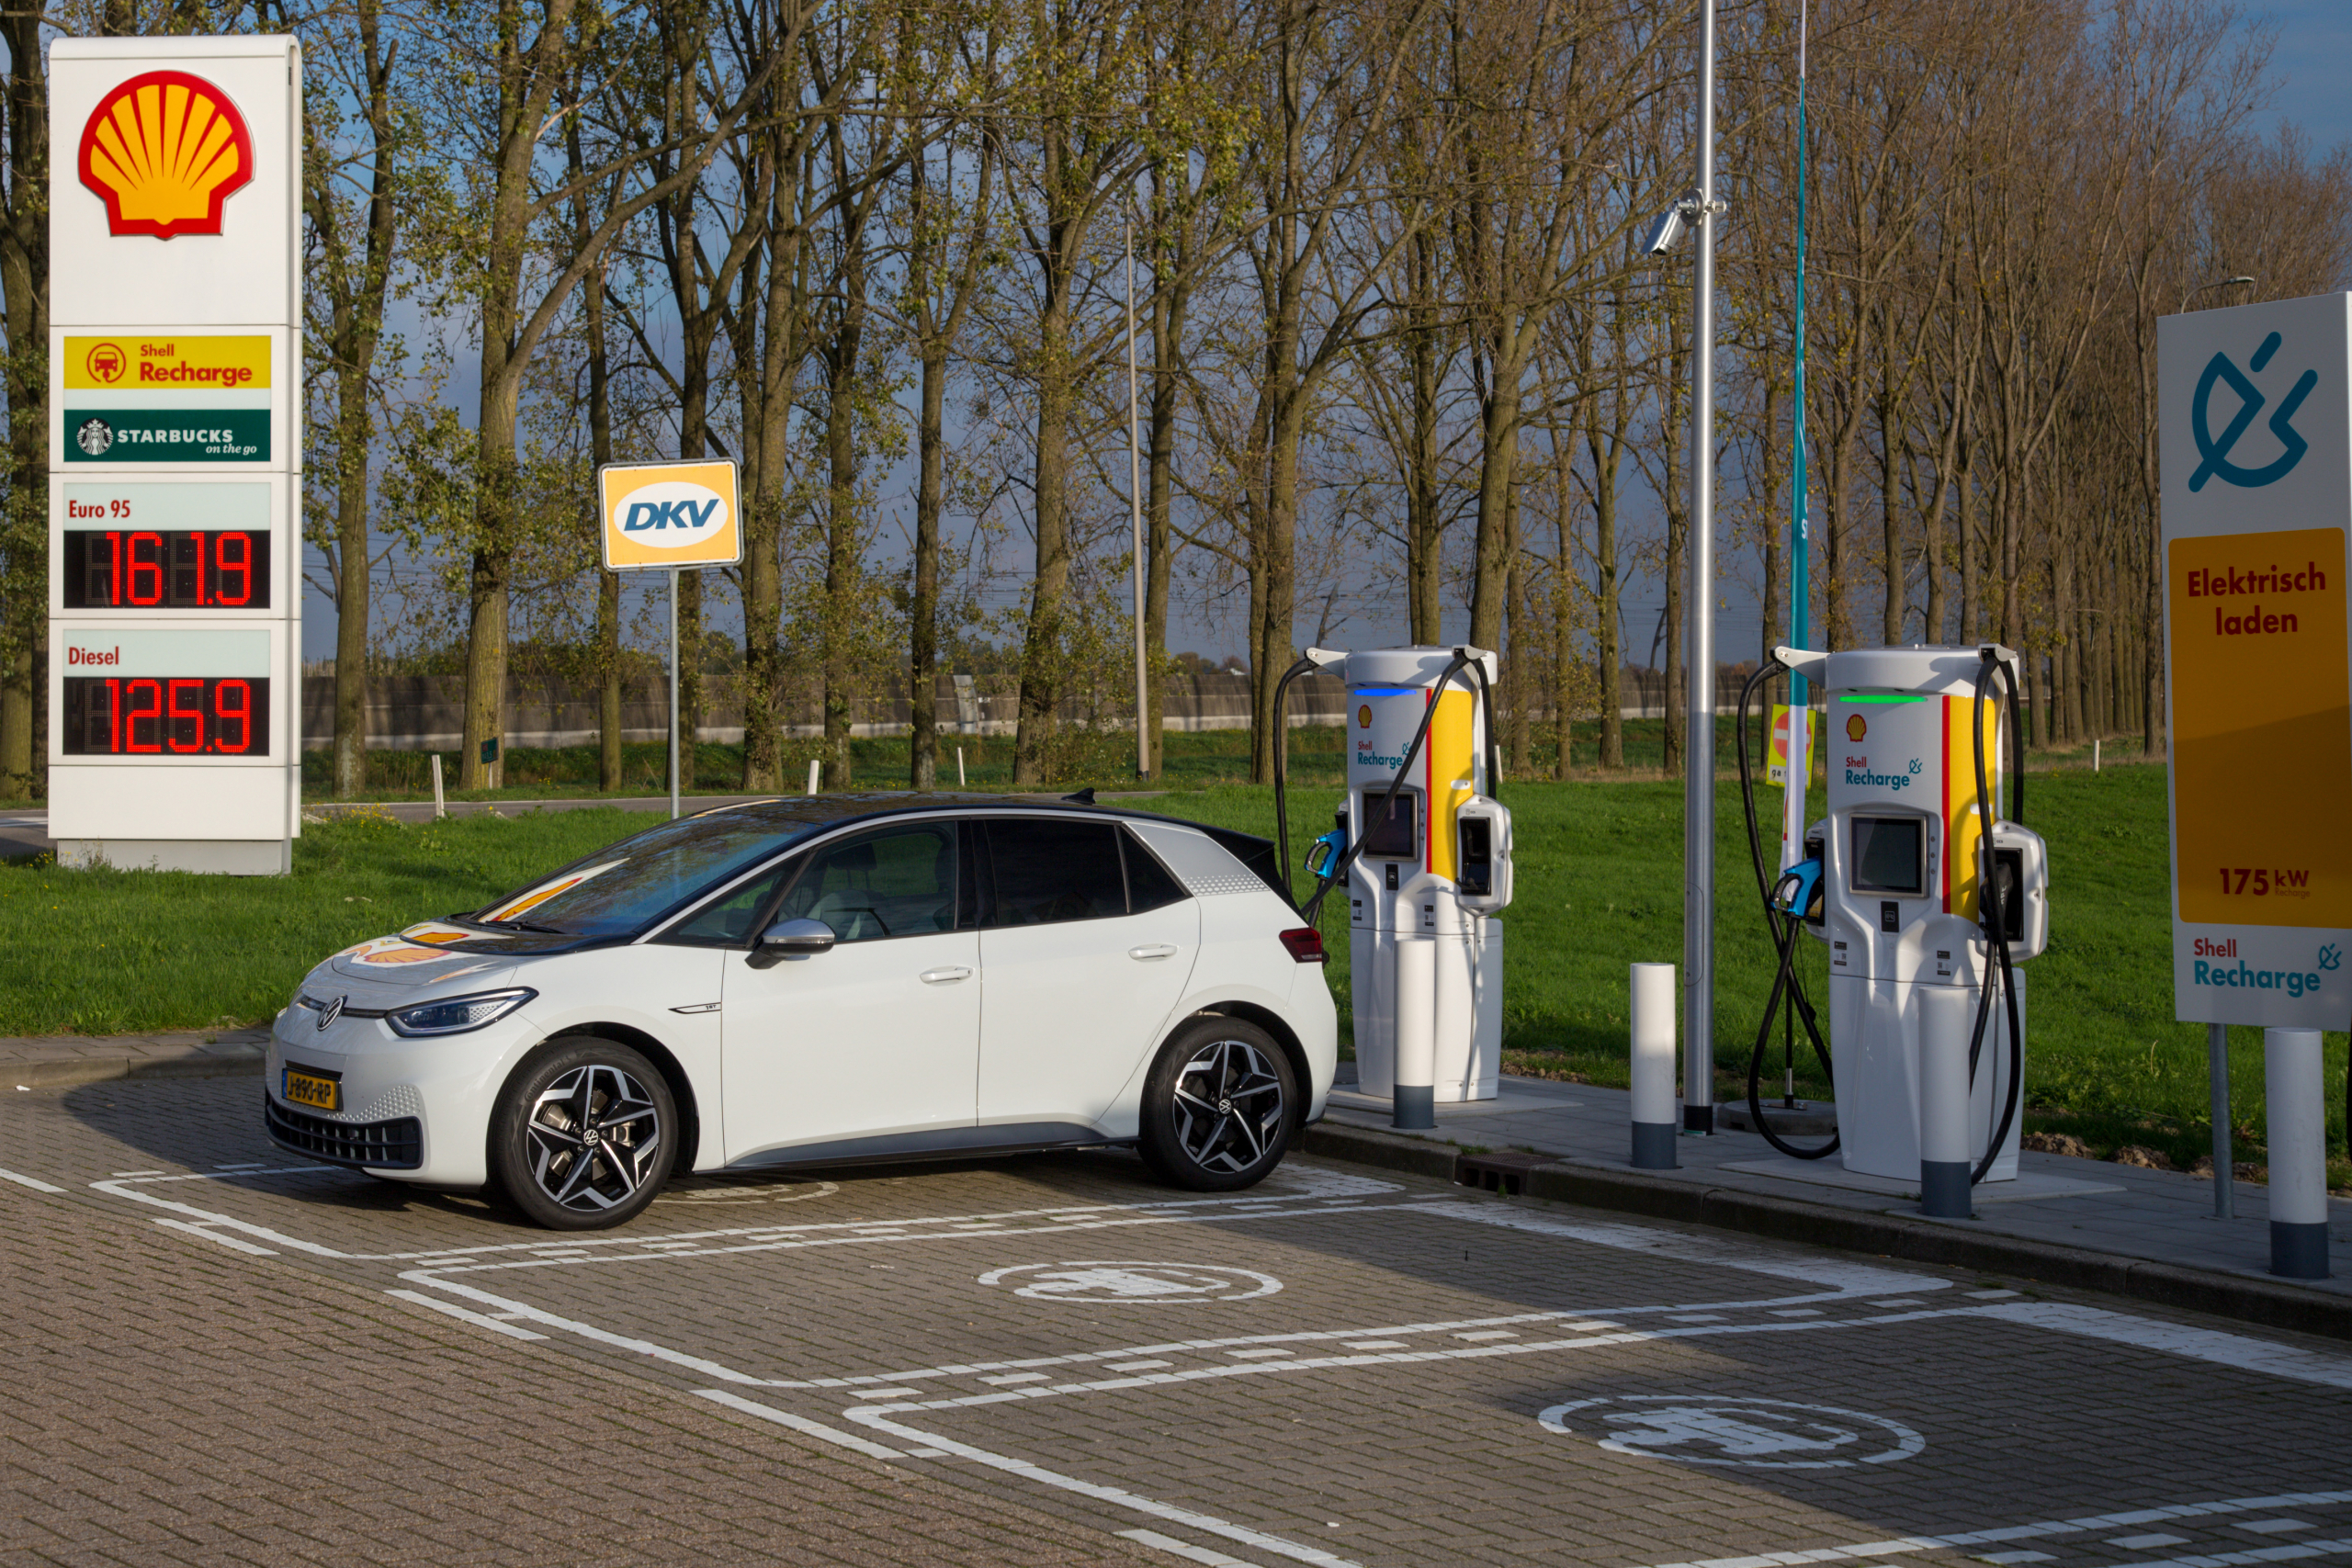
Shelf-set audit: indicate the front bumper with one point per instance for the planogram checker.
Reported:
(394, 1145)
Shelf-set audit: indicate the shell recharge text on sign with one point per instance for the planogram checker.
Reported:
(165, 150)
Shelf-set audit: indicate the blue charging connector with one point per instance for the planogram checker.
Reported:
(1797, 887)
(1325, 853)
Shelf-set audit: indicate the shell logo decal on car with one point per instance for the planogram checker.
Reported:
(547, 890)
(165, 150)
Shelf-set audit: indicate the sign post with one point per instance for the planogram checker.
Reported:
(2256, 434)
(174, 453)
(669, 517)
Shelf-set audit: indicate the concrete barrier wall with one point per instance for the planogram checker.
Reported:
(426, 712)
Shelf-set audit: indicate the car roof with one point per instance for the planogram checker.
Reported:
(1258, 855)
(828, 810)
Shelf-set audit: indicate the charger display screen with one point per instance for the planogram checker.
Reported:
(1889, 856)
(1393, 834)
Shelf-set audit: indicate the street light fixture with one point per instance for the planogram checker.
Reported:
(2207, 288)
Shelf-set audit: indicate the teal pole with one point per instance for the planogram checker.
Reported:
(1800, 588)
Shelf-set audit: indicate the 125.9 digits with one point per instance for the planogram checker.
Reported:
(166, 716)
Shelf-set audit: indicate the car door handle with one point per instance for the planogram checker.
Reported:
(943, 977)
(1158, 950)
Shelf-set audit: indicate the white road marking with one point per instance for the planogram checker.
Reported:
(1190, 1554)
(2147, 1542)
(2199, 1344)
(451, 1309)
(1845, 1277)
(2049, 1527)
(797, 1423)
(232, 1242)
(2273, 1526)
(1118, 1497)
(35, 1182)
(2005, 1558)
(2251, 1556)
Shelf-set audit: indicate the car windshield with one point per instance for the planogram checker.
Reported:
(627, 887)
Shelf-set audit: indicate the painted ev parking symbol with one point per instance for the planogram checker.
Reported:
(1756, 1434)
(1149, 1283)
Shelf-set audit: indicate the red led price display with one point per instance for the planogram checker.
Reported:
(161, 568)
(164, 715)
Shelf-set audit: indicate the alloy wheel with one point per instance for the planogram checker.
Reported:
(1230, 1106)
(594, 1135)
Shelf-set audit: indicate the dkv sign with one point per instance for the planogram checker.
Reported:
(670, 514)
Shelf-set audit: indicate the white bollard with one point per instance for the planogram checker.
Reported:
(1946, 1016)
(812, 775)
(1416, 1086)
(440, 807)
(959, 767)
(1655, 1123)
(2296, 1105)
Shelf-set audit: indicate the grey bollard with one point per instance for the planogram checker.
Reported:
(2296, 1106)
(1946, 1016)
(1416, 1088)
(1655, 1121)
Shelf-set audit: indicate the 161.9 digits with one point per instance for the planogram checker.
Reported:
(109, 716)
(118, 569)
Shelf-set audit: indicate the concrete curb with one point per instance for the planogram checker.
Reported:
(211, 1062)
(2245, 1298)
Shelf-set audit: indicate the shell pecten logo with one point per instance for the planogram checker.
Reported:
(165, 150)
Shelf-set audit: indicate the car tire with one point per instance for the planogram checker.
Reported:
(1219, 1107)
(583, 1135)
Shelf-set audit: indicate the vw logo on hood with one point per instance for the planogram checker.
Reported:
(330, 1012)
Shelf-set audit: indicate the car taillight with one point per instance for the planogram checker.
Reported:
(1305, 945)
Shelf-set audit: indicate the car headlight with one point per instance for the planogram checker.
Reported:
(455, 1015)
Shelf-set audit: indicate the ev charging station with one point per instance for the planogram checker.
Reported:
(1893, 880)
(1425, 850)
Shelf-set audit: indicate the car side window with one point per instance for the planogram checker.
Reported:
(1049, 870)
(733, 920)
(1149, 884)
(897, 881)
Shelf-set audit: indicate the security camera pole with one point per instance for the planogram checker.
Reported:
(1699, 754)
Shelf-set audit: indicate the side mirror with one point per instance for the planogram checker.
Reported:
(792, 939)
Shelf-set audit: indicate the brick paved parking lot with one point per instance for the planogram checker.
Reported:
(229, 1355)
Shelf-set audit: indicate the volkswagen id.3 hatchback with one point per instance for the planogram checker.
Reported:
(822, 981)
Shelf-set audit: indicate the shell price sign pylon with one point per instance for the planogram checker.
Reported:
(175, 452)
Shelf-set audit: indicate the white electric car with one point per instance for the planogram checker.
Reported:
(824, 981)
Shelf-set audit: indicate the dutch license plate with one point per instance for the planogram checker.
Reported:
(321, 1094)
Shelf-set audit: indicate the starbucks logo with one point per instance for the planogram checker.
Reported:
(95, 437)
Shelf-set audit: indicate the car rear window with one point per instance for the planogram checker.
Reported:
(1050, 869)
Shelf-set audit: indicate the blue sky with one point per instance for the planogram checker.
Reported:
(2311, 66)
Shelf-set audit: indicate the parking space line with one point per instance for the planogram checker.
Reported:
(2049, 1527)
(2179, 1339)
(1181, 1549)
(36, 1183)
(451, 1309)
(797, 1423)
(233, 1244)
(1116, 1496)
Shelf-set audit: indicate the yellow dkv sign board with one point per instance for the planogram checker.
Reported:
(670, 514)
(2255, 441)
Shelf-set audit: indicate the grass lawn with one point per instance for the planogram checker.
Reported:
(1598, 887)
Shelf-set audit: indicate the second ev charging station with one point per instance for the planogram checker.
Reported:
(1425, 851)
(1896, 881)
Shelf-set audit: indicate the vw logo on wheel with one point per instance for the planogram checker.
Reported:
(2213, 451)
(1149, 1283)
(1723, 1429)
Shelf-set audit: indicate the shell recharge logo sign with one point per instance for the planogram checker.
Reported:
(670, 514)
(165, 150)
